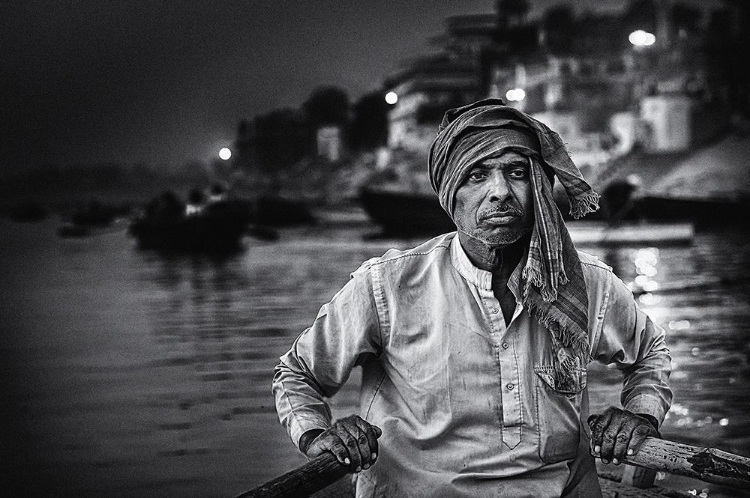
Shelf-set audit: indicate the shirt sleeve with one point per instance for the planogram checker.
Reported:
(344, 333)
(636, 345)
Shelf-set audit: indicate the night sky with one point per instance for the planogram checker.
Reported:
(158, 81)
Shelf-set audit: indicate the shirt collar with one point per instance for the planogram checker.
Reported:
(482, 278)
(462, 263)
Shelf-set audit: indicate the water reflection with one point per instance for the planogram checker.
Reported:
(700, 295)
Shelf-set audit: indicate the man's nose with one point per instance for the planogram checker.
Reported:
(499, 189)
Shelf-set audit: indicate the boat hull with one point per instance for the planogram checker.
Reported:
(402, 213)
(702, 211)
(204, 232)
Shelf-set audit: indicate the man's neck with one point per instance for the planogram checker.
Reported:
(500, 260)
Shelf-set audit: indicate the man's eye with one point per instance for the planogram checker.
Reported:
(518, 173)
(477, 175)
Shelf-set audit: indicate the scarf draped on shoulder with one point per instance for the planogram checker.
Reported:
(554, 290)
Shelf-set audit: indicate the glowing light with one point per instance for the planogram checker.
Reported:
(644, 283)
(695, 351)
(515, 95)
(646, 257)
(724, 422)
(640, 38)
(648, 271)
(642, 280)
(391, 98)
(649, 299)
(652, 287)
(225, 153)
(679, 325)
(678, 409)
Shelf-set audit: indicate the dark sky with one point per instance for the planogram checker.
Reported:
(164, 81)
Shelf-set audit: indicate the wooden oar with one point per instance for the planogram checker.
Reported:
(303, 481)
(707, 464)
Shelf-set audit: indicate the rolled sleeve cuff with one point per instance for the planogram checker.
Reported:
(301, 425)
(649, 405)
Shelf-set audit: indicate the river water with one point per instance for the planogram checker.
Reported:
(130, 373)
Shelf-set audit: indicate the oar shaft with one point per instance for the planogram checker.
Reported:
(303, 481)
(707, 464)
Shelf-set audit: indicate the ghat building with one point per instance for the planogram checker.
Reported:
(653, 76)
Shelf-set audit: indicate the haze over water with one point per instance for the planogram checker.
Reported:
(130, 373)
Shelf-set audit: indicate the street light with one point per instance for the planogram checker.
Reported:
(391, 98)
(515, 95)
(640, 38)
(225, 153)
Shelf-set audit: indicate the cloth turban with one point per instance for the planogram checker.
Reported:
(471, 133)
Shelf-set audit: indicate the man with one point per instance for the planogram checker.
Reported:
(474, 345)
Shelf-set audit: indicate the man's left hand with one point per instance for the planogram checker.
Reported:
(618, 433)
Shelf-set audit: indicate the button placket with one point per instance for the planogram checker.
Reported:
(511, 394)
(509, 374)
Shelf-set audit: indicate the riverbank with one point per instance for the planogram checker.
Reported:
(719, 170)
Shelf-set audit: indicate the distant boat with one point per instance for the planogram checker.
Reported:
(218, 227)
(97, 214)
(91, 218)
(708, 210)
(405, 213)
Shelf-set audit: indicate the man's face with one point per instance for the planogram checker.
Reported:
(494, 202)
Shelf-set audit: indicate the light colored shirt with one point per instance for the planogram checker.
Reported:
(466, 403)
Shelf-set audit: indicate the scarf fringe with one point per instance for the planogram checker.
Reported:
(584, 204)
(572, 348)
(533, 276)
(562, 328)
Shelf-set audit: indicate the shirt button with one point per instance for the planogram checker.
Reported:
(494, 311)
(506, 345)
(510, 387)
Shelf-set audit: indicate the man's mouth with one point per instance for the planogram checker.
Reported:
(500, 218)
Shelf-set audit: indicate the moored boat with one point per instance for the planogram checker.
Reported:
(217, 227)
(405, 213)
(702, 210)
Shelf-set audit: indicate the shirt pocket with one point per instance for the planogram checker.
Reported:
(558, 412)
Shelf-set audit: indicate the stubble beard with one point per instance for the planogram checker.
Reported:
(499, 238)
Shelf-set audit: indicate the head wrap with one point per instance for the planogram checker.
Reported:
(553, 287)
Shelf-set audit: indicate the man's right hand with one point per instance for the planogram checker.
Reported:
(352, 440)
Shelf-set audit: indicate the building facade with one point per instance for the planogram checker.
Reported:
(644, 77)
